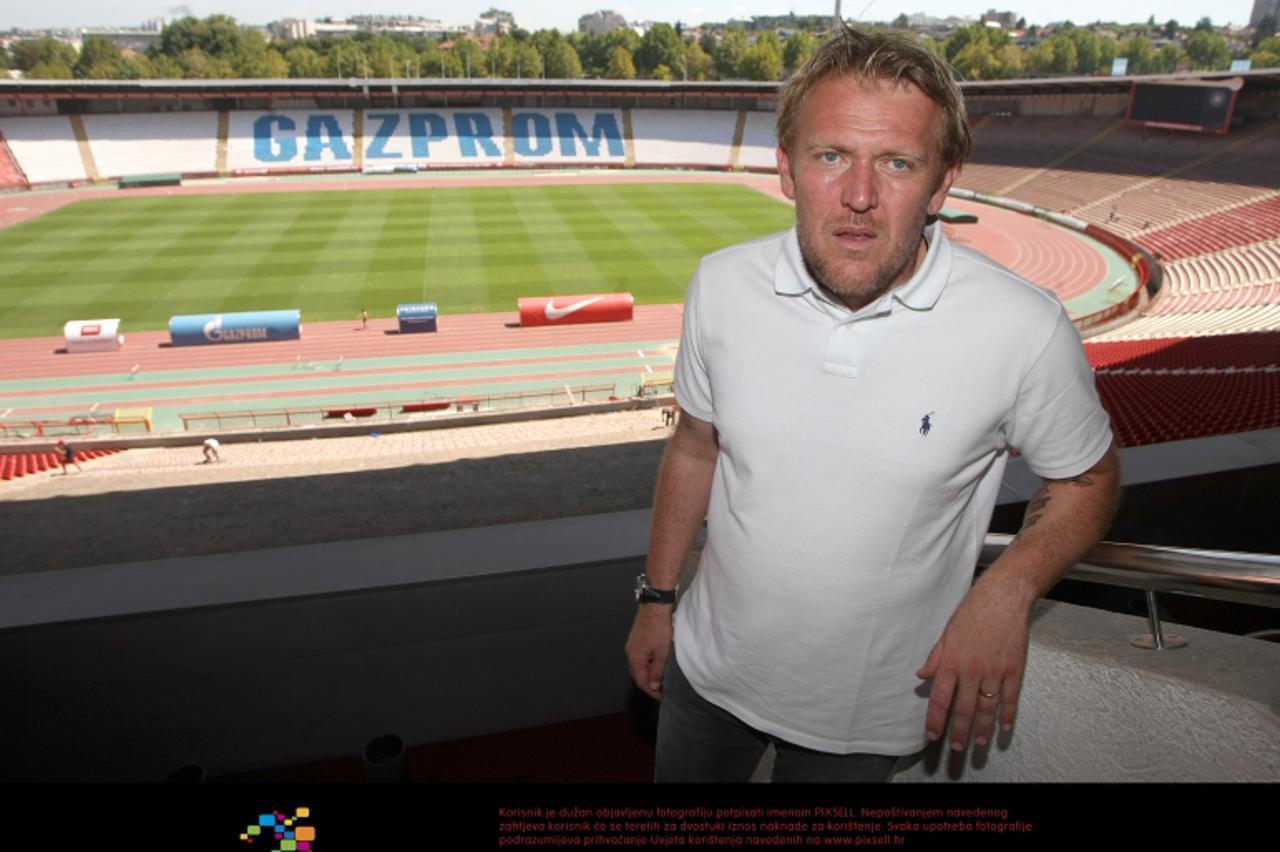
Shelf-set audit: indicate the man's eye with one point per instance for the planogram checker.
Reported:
(898, 164)
(829, 157)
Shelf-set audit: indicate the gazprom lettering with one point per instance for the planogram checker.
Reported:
(238, 327)
(214, 332)
(534, 135)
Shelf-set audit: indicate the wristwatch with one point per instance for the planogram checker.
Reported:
(648, 594)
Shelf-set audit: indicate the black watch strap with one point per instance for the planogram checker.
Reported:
(648, 594)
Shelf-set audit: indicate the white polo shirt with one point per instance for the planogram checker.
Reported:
(860, 458)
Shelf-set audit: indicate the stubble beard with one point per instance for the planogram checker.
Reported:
(881, 279)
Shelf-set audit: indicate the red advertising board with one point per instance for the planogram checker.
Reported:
(558, 310)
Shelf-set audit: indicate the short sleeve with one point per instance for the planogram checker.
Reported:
(692, 381)
(1057, 421)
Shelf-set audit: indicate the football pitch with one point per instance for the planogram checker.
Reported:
(331, 254)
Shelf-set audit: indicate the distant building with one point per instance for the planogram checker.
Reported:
(127, 38)
(1264, 9)
(495, 21)
(1004, 20)
(300, 28)
(406, 24)
(599, 23)
(295, 28)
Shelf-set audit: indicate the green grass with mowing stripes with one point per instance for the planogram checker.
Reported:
(145, 259)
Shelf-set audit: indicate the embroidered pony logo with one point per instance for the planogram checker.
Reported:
(926, 424)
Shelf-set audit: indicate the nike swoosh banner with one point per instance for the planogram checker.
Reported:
(557, 310)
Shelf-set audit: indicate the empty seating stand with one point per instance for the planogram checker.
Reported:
(17, 465)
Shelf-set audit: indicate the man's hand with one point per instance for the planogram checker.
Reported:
(649, 646)
(679, 507)
(976, 667)
(977, 663)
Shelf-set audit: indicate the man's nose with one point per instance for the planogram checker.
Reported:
(859, 192)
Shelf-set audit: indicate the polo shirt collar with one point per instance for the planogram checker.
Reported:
(920, 293)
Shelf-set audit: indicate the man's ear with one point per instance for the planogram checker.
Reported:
(784, 174)
(939, 197)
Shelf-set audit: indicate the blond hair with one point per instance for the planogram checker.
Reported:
(883, 56)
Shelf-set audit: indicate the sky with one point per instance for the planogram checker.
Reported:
(563, 15)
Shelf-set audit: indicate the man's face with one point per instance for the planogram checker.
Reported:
(864, 172)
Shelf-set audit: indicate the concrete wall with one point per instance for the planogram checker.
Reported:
(277, 657)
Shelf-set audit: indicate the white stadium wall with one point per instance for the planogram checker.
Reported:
(759, 142)
(45, 147)
(669, 137)
(128, 144)
(61, 149)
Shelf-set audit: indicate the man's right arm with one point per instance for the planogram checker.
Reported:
(679, 508)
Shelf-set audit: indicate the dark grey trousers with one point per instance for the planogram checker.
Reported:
(698, 741)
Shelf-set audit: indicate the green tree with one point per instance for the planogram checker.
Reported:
(346, 59)
(133, 66)
(659, 46)
(901, 22)
(216, 35)
(306, 64)
(1267, 54)
(523, 61)
(762, 61)
(45, 70)
(976, 61)
(699, 65)
(1140, 53)
(274, 66)
(1204, 25)
(799, 47)
(251, 58)
(624, 37)
(1088, 50)
(563, 62)
(1171, 29)
(1207, 51)
(964, 36)
(162, 68)
(620, 65)
(709, 42)
(1169, 58)
(1056, 55)
(730, 52)
(198, 65)
(26, 55)
(99, 60)
(469, 56)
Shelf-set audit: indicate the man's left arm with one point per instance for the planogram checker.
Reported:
(978, 662)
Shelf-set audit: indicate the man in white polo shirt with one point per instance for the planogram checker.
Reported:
(850, 391)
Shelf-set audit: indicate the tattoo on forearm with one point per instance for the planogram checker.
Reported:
(1035, 509)
(1040, 500)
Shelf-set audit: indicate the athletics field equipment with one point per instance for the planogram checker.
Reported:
(330, 254)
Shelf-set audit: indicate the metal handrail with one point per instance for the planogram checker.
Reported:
(1252, 578)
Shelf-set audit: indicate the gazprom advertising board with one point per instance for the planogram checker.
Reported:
(415, 318)
(243, 327)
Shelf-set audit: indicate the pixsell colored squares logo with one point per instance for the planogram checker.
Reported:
(277, 832)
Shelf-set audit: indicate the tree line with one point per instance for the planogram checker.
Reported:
(219, 48)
